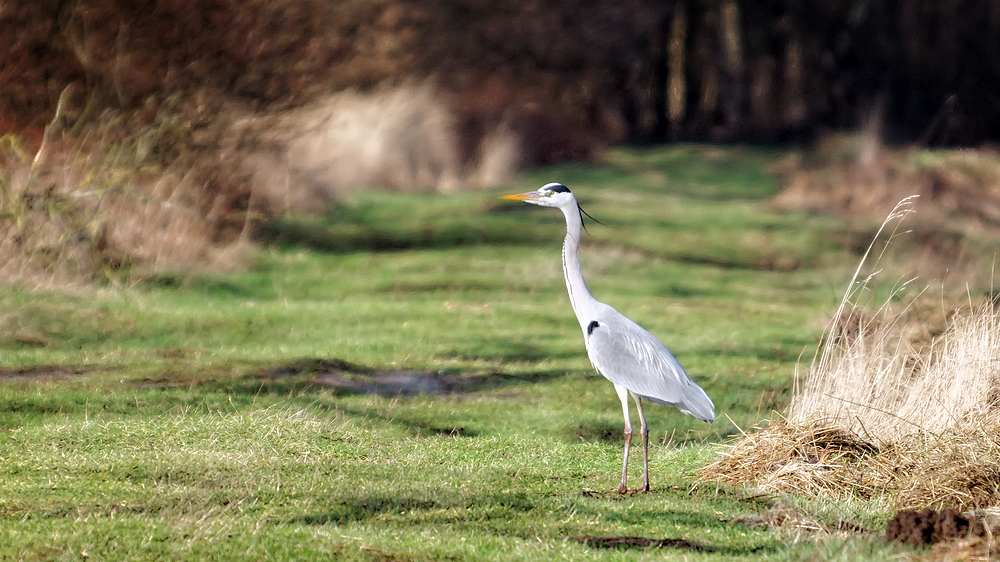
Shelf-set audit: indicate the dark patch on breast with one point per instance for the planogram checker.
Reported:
(590, 327)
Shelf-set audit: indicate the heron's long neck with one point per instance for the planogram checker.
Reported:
(579, 294)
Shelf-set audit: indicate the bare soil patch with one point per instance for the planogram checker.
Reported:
(45, 372)
(641, 542)
(957, 468)
(347, 377)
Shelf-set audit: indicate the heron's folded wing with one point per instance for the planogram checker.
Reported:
(628, 355)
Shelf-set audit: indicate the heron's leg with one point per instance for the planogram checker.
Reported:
(623, 396)
(644, 430)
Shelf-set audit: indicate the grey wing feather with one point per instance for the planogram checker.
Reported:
(628, 355)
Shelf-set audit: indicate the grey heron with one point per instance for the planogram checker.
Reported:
(621, 350)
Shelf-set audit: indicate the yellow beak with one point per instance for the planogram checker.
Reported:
(520, 196)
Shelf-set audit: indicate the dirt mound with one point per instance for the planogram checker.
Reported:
(920, 528)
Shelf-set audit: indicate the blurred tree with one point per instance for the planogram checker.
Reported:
(564, 74)
(676, 69)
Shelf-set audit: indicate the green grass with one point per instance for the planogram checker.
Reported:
(179, 419)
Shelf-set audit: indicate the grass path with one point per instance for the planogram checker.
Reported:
(182, 418)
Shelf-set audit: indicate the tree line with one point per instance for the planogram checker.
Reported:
(562, 72)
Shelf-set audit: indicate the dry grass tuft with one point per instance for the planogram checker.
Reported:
(890, 376)
(885, 375)
(889, 409)
(106, 205)
(813, 459)
(500, 154)
(401, 138)
(960, 468)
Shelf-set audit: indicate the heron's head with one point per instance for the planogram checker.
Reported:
(549, 195)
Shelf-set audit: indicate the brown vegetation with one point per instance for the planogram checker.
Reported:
(563, 73)
(889, 410)
(953, 185)
(641, 542)
(94, 205)
(955, 239)
(178, 124)
(956, 468)
(493, 63)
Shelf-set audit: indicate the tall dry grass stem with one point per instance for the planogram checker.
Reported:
(870, 376)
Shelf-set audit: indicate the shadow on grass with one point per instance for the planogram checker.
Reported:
(649, 543)
(45, 372)
(346, 233)
(784, 350)
(340, 234)
(368, 507)
(374, 506)
(343, 239)
(773, 261)
(213, 286)
(692, 520)
(307, 376)
(347, 378)
(515, 351)
(341, 377)
(641, 542)
(596, 431)
(482, 508)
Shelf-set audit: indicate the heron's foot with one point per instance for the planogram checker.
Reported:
(623, 489)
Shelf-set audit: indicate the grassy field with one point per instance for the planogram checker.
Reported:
(193, 416)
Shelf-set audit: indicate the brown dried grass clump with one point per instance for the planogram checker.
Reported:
(959, 468)
(897, 378)
(785, 458)
(886, 411)
(180, 185)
